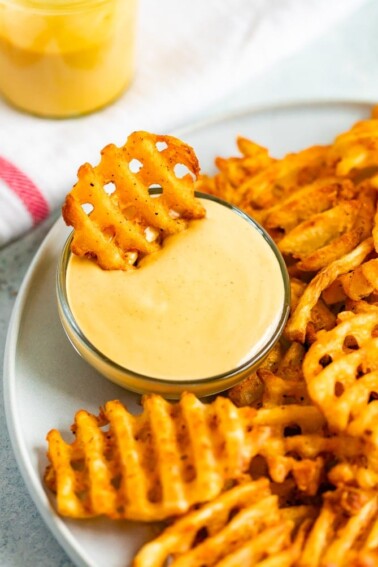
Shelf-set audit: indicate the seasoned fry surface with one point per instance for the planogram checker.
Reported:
(125, 222)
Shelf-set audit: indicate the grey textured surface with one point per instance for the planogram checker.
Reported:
(24, 538)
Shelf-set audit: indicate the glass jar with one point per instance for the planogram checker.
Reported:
(64, 57)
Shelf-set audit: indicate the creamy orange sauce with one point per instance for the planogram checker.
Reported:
(61, 58)
(202, 305)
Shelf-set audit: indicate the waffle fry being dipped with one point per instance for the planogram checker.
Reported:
(125, 222)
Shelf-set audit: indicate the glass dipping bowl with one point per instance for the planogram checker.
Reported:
(149, 384)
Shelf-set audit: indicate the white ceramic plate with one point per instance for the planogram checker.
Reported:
(46, 381)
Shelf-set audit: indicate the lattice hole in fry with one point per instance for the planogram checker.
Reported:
(350, 343)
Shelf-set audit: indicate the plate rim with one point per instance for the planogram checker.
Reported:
(55, 523)
(224, 116)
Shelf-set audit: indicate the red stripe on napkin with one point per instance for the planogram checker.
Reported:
(25, 189)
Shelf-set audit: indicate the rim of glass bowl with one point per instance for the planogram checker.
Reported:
(228, 376)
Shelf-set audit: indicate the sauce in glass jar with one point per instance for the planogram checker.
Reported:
(65, 58)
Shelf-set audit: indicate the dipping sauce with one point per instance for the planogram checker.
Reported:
(65, 57)
(204, 304)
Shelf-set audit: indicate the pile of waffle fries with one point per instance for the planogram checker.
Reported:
(283, 469)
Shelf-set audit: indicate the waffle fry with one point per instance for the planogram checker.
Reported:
(315, 198)
(234, 171)
(355, 285)
(330, 235)
(345, 532)
(312, 235)
(297, 325)
(254, 159)
(279, 376)
(243, 526)
(341, 373)
(282, 391)
(375, 227)
(356, 149)
(290, 367)
(172, 456)
(267, 390)
(321, 317)
(129, 223)
(249, 392)
(282, 178)
(152, 466)
(289, 426)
